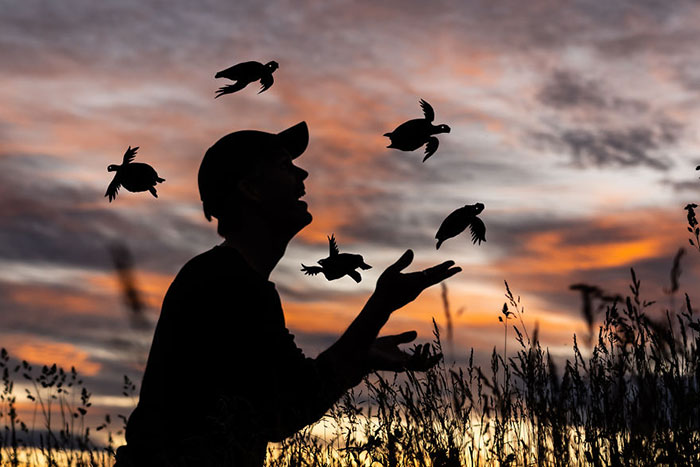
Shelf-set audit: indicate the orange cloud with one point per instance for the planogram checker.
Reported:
(151, 285)
(548, 253)
(327, 220)
(65, 301)
(322, 317)
(94, 300)
(46, 352)
(624, 239)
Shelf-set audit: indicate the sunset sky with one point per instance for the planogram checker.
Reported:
(574, 122)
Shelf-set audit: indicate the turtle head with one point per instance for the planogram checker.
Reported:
(112, 168)
(478, 207)
(272, 66)
(442, 129)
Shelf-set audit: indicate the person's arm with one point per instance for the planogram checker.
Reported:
(314, 385)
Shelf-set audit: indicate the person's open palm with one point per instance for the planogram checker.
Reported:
(385, 355)
(396, 289)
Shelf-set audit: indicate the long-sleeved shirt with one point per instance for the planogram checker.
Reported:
(224, 376)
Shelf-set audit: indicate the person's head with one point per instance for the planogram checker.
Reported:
(250, 174)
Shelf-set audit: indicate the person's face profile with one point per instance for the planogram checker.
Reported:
(278, 187)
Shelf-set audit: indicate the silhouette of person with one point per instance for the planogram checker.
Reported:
(224, 376)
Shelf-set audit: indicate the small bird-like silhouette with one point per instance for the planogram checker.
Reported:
(460, 219)
(134, 176)
(337, 264)
(413, 134)
(245, 73)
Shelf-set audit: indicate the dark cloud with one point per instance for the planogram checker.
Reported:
(565, 90)
(598, 128)
(682, 185)
(123, 37)
(573, 232)
(630, 147)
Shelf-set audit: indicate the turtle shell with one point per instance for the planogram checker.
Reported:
(411, 135)
(137, 177)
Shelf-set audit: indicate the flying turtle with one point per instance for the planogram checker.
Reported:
(413, 134)
(134, 176)
(460, 219)
(337, 264)
(245, 73)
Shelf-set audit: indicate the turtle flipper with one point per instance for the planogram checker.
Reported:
(265, 82)
(428, 111)
(231, 88)
(365, 266)
(311, 270)
(333, 245)
(129, 155)
(153, 191)
(431, 147)
(355, 276)
(478, 230)
(113, 188)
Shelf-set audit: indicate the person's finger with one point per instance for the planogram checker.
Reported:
(440, 276)
(434, 360)
(402, 263)
(438, 270)
(439, 267)
(403, 338)
(422, 360)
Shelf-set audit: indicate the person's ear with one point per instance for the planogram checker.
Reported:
(249, 189)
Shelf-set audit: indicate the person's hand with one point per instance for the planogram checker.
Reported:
(396, 289)
(385, 355)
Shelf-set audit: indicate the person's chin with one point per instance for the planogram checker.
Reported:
(305, 217)
(299, 217)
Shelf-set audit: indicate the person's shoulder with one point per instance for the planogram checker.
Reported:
(215, 263)
(206, 275)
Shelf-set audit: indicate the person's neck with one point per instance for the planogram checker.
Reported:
(260, 250)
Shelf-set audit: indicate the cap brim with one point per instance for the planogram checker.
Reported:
(295, 139)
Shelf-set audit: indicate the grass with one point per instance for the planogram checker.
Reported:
(633, 401)
(630, 397)
(56, 432)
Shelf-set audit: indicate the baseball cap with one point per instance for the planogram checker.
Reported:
(235, 155)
